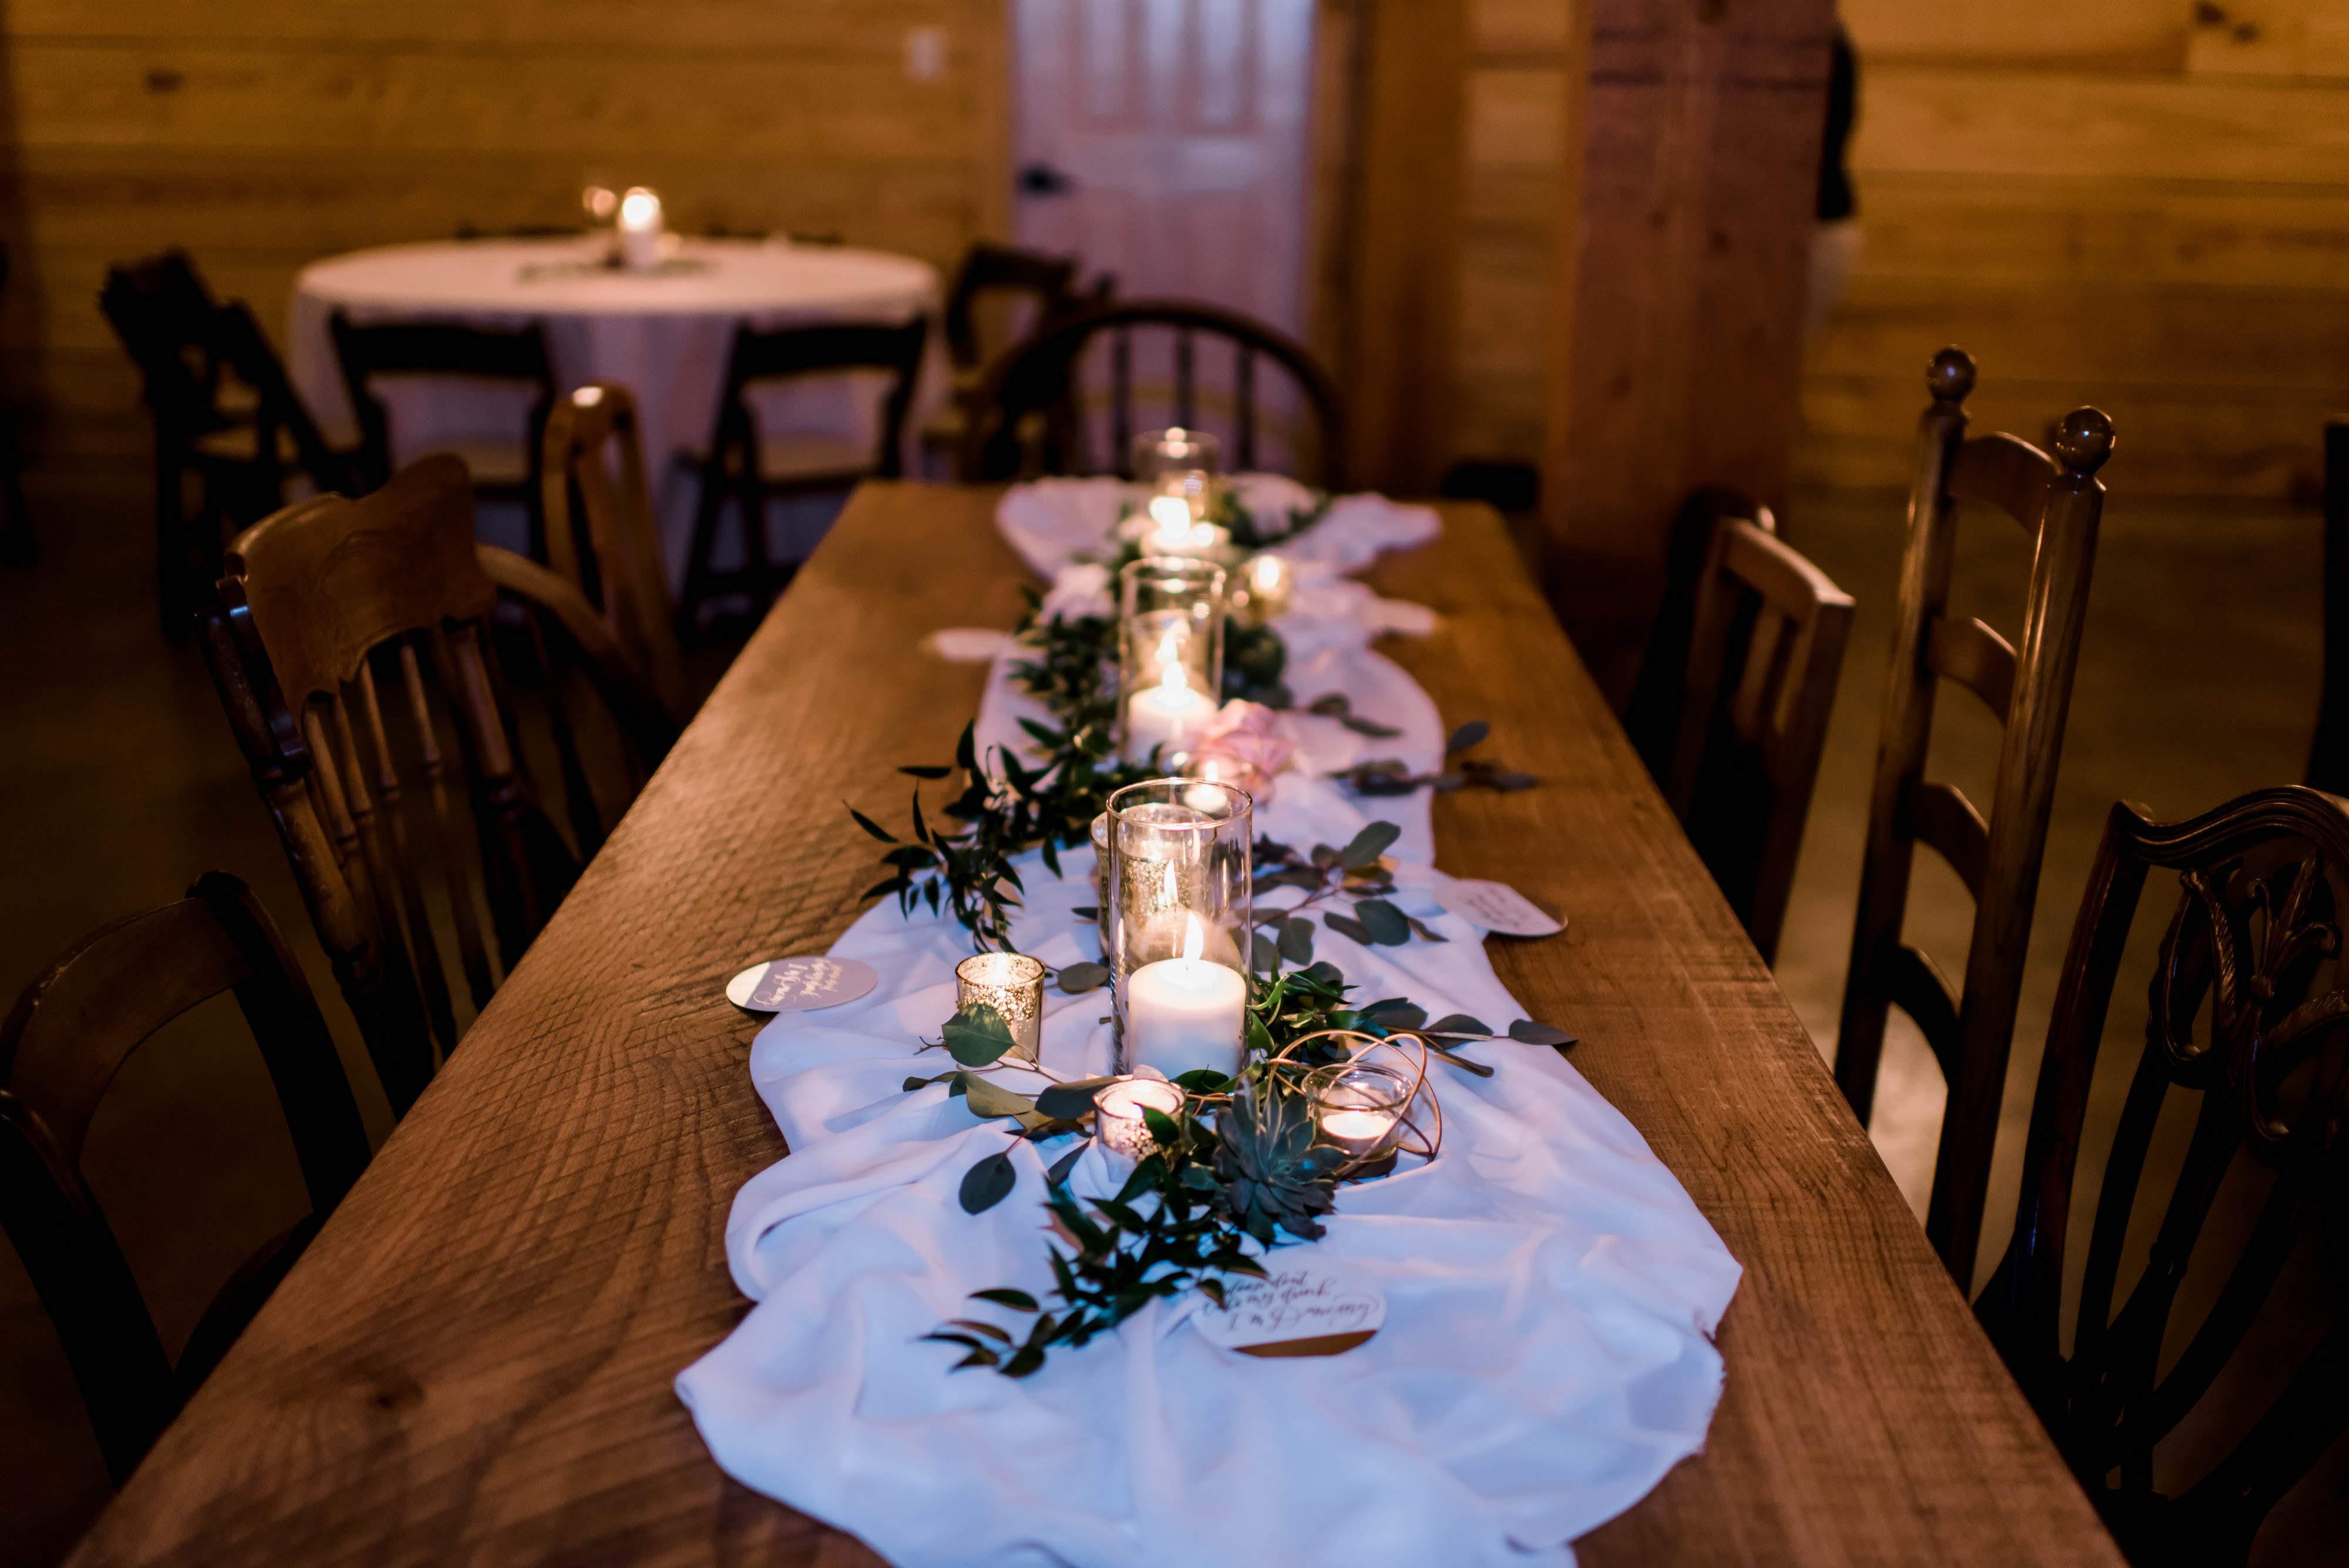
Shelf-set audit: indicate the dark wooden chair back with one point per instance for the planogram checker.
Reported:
(2247, 1020)
(1043, 282)
(2328, 751)
(223, 410)
(1033, 412)
(61, 1047)
(1764, 654)
(439, 349)
(2058, 501)
(733, 471)
(602, 534)
(401, 816)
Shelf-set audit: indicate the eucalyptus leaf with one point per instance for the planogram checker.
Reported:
(1078, 978)
(1534, 1034)
(977, 1035)
(930, 771)
(1017, 1301)
(988, 1099)
(1073, 1100)
(1297, 941)
(1466, 735)
(871, 827)
(1370, 843)
(1203, 1081)
(1460, 1023)
(1346, 927)
(1264, 953)
(1065, 1164)
(1385, 923)
(989, 1182)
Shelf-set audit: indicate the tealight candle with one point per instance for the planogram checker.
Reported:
(1266, 585)
(641, 230)
(1167, 714)
(1117, 1113)
(1174, 531)
(1358, 1107)
(1184, 1014)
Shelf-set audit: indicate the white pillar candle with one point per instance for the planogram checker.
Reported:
(641, 230)
(1167, 714)
(1184, 1014)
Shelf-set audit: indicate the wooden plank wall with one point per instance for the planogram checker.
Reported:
(261, 134)
(2143, 203)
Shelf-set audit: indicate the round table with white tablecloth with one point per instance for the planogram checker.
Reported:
(664, 334)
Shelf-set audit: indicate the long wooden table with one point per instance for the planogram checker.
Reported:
(474, 1359)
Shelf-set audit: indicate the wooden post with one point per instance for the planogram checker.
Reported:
(1693, 166)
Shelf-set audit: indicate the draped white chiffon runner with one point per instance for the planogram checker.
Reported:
(1551, 1293)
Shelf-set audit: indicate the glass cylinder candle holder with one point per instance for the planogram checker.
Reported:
(1117, 1121)
(1101, 871)
(1176, 932)
(1361, 1108)
(1179, 461)
(1170, 652)
(1013, 984)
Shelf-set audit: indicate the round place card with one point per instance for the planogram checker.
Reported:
(800, 984)
(1304, 1309)
(1494, 906)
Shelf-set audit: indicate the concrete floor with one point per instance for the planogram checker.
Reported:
(120, 784)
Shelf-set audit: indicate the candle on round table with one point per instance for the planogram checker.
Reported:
(641, 230)
(1184, 1014)
(1117, 1113)
(1167, 714)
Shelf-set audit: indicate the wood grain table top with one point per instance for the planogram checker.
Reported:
(473, 1361)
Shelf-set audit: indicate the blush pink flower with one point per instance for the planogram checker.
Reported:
(1246, 743)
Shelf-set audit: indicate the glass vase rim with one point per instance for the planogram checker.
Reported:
(1029, 967)
(1322, 1080)
(1171, 785)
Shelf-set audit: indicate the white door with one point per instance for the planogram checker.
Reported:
(1164, 141)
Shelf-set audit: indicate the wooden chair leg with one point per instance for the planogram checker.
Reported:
(18, 548)
(2328, 753)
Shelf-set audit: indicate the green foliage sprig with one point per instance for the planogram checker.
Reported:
(1392, 776)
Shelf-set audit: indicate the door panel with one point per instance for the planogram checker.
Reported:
(1180, 126)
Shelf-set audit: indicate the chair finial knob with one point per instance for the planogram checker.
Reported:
(1950, 376)
(2084, 439)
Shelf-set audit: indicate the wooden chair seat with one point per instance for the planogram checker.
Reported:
(2058, 501)
(61, 1047)
(2244, 1023)
(406, 819)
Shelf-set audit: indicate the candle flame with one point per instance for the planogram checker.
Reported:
(639, 209)
(1173, 677)
(1194, 939)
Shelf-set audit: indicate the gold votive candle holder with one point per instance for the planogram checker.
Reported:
(1117, 1113)
(1013, 984)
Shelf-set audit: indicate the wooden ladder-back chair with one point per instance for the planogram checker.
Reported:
(1031, 413)
(602, 534)
(2248, 1018)
(1044, 282)
(2058, 501)
(1764, 655)
(750, 468)
(503, 467)
(61, 1047)
(322, 599)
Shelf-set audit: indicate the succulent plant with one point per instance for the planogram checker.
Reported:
(1272, 1175)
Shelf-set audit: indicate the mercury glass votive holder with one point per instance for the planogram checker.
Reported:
(1359, 1108)
(1101, 871)
(1170, 652)
(1013, 984)
(1117, 1113)
(1175, 932)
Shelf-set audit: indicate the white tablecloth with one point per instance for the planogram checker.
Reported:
(665, 335)
(1551, 1291)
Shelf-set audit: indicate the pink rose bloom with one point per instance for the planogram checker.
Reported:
(1246, 743)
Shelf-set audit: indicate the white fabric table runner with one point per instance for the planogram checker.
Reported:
(1551, 1291)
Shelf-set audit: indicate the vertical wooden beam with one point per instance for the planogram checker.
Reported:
(1693, 166)
(1410, 102)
